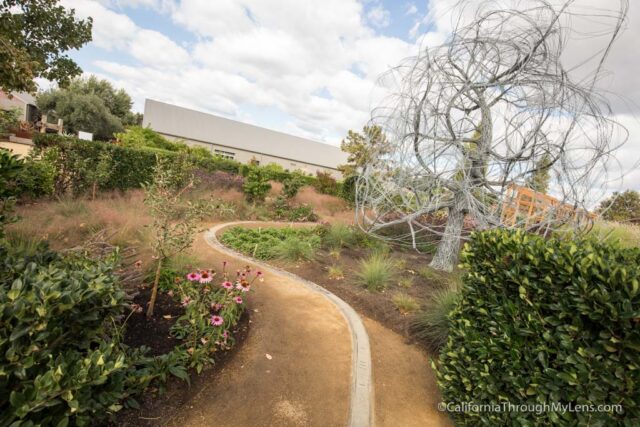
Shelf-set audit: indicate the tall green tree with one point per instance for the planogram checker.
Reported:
(34, 36)
(90, 105)
(362, 148)
(624, 207)
(539, 178)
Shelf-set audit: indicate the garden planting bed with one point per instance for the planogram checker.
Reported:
(411, 277)
(154, 333)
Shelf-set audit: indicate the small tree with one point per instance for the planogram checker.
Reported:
(292, 185)
(8, 120)
(174, 219)
(34, 35)
(256, 185)
(361, 148)
(621, 207)
(539, 179)
(100, 173)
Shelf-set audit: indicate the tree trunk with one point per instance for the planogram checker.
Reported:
(446, 255)
(93, 191)
(154, 291)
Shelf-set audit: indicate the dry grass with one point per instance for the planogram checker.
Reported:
(335, 272)
(405, 303)
(70, 222)
(327, 207)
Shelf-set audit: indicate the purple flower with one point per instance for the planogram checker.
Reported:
(216, 320)
(238, 300)
(193, 277)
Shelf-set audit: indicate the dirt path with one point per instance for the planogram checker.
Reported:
(307, 381)
(306, 378)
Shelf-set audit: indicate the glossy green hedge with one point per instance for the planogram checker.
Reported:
(57, 366)
(131, 167)
(544, 321)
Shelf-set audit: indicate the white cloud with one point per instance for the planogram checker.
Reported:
(379, 16)
(117, 32)
(411, 9)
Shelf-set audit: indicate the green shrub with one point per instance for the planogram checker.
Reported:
(544, 321)
(256, 185)
(431, 325)
(9, 119)
(292, 184)
(326, 184)
(339, 236)
(375, 272)
(56, 365)
(295, 249)
(37, 179)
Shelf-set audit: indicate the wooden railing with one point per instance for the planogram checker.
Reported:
(528, 207)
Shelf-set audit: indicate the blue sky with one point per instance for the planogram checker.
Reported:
(238, 59)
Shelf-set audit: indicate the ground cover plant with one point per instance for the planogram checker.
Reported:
(269, 243)
(545, 321)
(375, 272)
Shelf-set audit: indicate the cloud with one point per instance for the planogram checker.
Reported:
(411, 9)
(379, 16)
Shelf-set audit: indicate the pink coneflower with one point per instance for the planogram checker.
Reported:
(205, 277)
(186, 301)
(243, 286)
(225, 334)
(238, 300)
(227, 284)
(193, 277)
(216, 320)
(218, 306)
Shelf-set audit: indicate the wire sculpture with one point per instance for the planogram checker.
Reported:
(471, 121)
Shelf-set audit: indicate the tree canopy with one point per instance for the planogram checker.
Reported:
(623, 207)
(90, 105)
(361, 147)
(34, 36)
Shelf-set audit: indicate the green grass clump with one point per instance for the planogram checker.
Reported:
(335, 272)
(405, 303)
(405, 282)
(339, 236)
(265, 243)
(22, 243)
(431, 326)
(375, 272)
(296, 249)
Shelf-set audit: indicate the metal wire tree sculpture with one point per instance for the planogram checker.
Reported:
(472, 120)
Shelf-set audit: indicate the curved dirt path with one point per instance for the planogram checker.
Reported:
(294, 369)
(320, 371)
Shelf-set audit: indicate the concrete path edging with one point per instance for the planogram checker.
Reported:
(361, 413)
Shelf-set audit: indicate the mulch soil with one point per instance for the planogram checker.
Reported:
(376, 305)
(154, 334)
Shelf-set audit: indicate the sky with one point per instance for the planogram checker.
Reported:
(305, 67)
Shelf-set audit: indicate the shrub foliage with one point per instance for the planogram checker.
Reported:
(543, 322)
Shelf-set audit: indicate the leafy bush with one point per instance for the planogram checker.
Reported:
(9, 119)
(544, 321)
(375, 272)
(219, 179)
(56, 365)
(261, 242)
(431, 326)
(139, 137)
(292, 184)
(295, 249)
(37, 179)
(326, 184)
(256, 185)
(130, 167)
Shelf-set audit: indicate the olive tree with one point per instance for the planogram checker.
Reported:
(470, 119)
